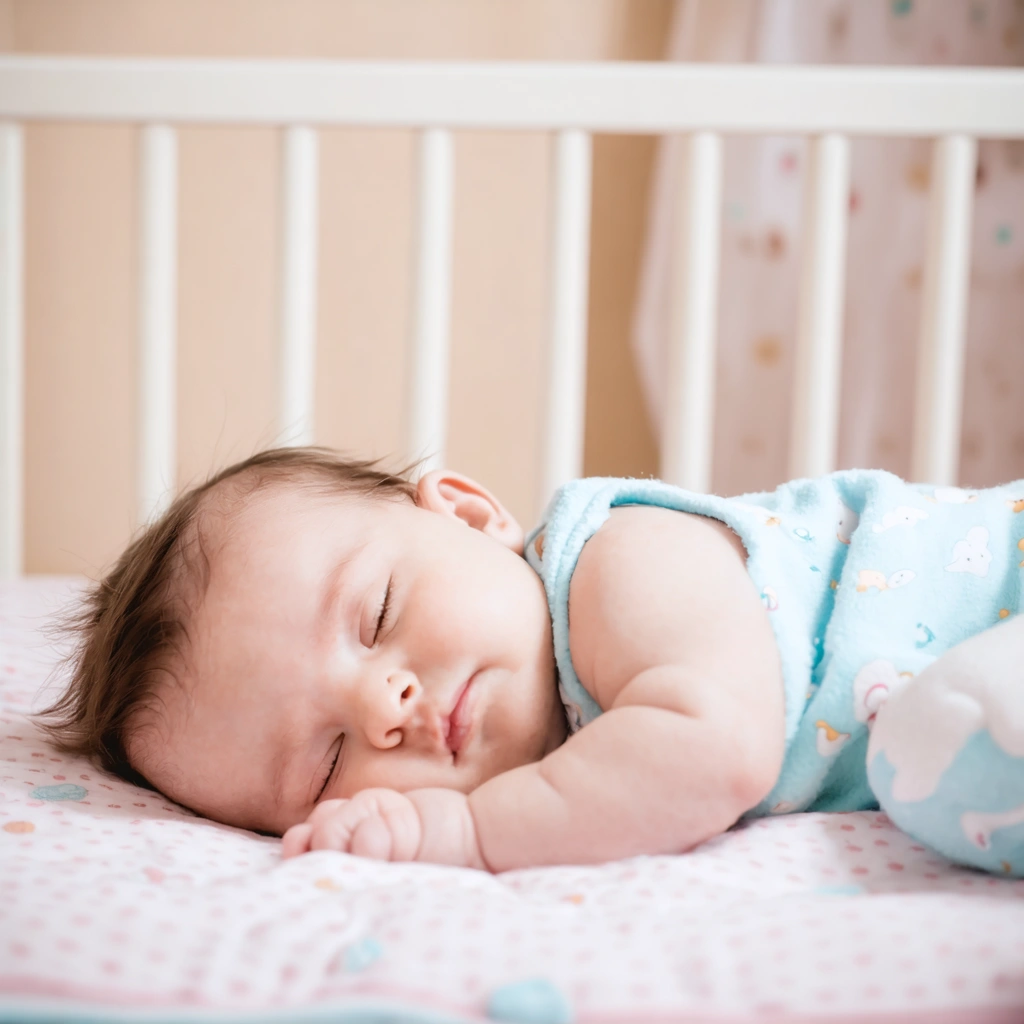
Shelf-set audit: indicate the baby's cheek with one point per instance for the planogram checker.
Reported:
(381, 771)
(513, 733)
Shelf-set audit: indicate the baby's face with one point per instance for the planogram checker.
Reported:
(406, 645)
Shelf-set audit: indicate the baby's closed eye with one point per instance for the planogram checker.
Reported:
(382, 614)
(336, 749)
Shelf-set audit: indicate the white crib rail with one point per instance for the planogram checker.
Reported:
(574, 100)
(690, 407)
(297, 361)
(815, 425)
(566, 384)
(427, 427)
(940, 353)
(596, 97)
(157, 317)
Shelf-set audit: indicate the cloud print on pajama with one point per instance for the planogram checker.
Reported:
(960, 721)
(904, 515)
(972, 554)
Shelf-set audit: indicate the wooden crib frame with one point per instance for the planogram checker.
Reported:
(955, 107)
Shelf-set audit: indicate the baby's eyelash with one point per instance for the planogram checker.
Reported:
(330, 771)
(382, 617)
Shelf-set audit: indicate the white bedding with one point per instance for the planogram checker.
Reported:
(115, 903)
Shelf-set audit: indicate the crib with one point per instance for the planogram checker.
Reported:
(811, 917)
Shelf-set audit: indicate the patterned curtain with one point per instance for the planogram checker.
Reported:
(762, 193)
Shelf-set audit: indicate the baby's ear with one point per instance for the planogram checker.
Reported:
(455, 495)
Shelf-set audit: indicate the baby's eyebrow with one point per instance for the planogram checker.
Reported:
(331, 586)
(329, 592)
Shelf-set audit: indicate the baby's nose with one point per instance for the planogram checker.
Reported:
(391, 708)
(400, 715)
(403, 688)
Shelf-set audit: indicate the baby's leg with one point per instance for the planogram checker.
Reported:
(946, 756)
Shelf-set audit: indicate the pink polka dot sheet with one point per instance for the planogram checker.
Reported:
(117, 905)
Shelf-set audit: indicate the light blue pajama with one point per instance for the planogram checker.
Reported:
(867, 580)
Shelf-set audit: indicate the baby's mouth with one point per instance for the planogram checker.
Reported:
(459, 722)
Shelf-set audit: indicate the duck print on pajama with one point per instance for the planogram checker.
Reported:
(867, 580)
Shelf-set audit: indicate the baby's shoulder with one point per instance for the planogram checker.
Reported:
(686, 533)
(654, 584)
(637, 544)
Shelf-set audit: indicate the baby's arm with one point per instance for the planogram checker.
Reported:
(669, 634)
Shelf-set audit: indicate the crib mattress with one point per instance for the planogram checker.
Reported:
(117, 904)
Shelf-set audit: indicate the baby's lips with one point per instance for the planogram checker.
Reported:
(460, 722)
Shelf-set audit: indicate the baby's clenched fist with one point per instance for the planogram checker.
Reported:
(378, 823)
(432, 825)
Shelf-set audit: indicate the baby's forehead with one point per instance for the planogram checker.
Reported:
(238, 511)
(265, 552)
(216, 569)
(247, 499)
(270, 562)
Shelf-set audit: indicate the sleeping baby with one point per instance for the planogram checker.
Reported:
(311, 647)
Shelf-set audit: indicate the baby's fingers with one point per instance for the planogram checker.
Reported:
(334, 831)
(372, 838)
(296, 840)
(299, 838)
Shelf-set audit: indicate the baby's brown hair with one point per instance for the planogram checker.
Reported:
(134, 622)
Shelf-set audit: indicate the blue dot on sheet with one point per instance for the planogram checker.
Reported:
(362, 954)
(535, 1001)
(65, 791)
(839, 890)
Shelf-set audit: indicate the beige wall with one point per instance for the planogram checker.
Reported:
(81, 243)
(6, 24)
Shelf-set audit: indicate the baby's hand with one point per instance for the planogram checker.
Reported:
(378, 823)
(432, 825)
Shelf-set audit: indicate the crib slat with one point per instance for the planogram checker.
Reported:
(296, 397)
(565, 399)
(11, 349)
(157, 312)
(815, 424)
(686, 443)
(428, 367)
(935, 454)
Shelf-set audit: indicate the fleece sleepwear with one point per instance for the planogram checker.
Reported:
(867, 581)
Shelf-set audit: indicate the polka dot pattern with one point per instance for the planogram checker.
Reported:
(121, 898)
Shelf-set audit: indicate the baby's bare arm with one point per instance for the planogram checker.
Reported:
(669, 634)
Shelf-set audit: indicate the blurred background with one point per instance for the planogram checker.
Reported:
(81, 254)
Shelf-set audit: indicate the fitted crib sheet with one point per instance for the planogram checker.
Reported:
(117, 904)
